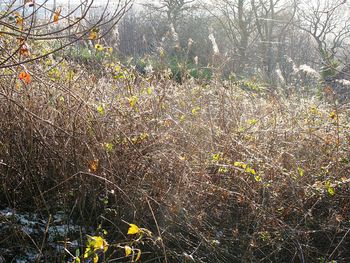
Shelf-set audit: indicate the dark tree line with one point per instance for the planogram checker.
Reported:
(265, 38)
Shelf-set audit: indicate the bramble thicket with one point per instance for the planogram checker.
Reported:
(174, 131)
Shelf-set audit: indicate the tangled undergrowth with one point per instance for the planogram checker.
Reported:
(213, 172)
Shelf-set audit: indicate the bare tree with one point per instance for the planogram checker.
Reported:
(272, 19)
(235, 17)
(174, 9)
(328, 24)
(21, 22)
(140, 33)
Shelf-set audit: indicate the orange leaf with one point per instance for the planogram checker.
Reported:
(93, 165)
(57, 15)
(25, 77)
(92, 35)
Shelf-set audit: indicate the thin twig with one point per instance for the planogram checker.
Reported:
(159, 233)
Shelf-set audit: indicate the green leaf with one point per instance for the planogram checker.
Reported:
(108, 147)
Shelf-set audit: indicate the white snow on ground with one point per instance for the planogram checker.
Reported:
(34, 227)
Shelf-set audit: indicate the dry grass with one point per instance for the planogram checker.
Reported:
(166, 156)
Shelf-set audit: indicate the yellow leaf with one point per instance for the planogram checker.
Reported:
(19, 20)
(331, 191)
(182, 118)
(252, 121)
(217, 157)
(100, 109)
(128, 250)
(132, 101)
(313, 110)
(237, 164)
(133, 229)
(300, 172)
(87, 252)
(138, 255)
(70, 75)
(215, 242)
(223, 170)
(97, 243)
(95, 258)
(252, 171)
(149, 90)
(195, 110)
(99, 47)
(258, 178)
(333, 116)
(144, 136)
